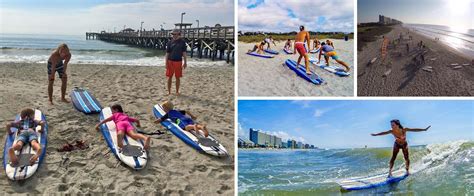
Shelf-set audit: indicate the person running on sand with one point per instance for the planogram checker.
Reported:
(268, 41)
(288, 44)
(26, 129)
(328, 51)
(186, 122)
(258, 48)
(175, 59)
(124, 126)
(300, 38)
(400, 142)
(56, 64)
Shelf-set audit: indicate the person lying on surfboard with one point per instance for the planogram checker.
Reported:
(328, 51)
(258, 48)
(399, 132)
(27, 134)
(187, 123)
(56, 64)
(124, 126)
(269, 40)
(301, 37)
(288, 44)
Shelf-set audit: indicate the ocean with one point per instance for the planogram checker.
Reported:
(22, 48)
(436, 169)
(461, 40)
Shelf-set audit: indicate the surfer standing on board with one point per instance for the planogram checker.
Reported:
(301, 37)
(400, 142)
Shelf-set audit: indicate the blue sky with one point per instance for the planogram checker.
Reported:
(348, 124)
(288, 15)
(75, 17)
(456, 13)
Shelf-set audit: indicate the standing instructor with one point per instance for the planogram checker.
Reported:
(175, 54)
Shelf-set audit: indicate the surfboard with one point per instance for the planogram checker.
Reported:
(287, 51)
(133, 154)
(207, 145)
(372, 181)
(23, 169)
(314, 51)
(301, 71)
(84, 101)
(270, 51)
(332, 68)
(260, 55)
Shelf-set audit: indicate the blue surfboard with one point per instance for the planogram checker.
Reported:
(301, 71)
(287, 51)
(372, 181)
(24, 170)
(270, 51)
(333, 69)
(207, 145)
(260, 55)
(84, 101)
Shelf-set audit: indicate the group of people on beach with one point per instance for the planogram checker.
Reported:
(175, 61)
(302, 45)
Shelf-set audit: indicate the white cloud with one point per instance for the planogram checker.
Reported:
(241, 132)
(107, 16)
(288, 15)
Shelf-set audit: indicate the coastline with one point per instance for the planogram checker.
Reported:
(173, 167)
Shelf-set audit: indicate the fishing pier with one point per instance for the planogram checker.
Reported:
(205, 42)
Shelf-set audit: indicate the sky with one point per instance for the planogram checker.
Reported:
(75, 17)
(348, 124)
(453, 13)
(288, 15)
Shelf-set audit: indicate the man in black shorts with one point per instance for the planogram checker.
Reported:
(56, 64)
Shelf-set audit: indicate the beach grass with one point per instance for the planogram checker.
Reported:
(369, 34)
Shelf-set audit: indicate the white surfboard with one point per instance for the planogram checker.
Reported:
(372, 181)
(133, 154)
(23, 169)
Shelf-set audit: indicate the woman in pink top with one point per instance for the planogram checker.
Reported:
(124, 126)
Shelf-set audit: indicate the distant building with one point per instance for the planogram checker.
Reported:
(388, 21)
(284, 144)
(306, 146)
(127, 30)
(245, 143)
(262, 139)
(299, 145)
(312, 146)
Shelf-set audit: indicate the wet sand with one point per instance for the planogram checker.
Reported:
(173, 167)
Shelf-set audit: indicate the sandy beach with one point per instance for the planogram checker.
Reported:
(444, 72)
(173, 167)
(270, 77)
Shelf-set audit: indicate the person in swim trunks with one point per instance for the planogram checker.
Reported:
(269, 40)
(184, 119)
(175, 59)
(124, 126)
(399, 132)
(328, 51)
(27, 135)
(56, 64)
(300, 39)
(258, 48)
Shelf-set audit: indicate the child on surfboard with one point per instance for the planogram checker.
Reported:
(124, 126)
(258, 48)
(26, 129)
(328, 51)
(56, 64)
(399, 132)
(288, 45)
(184, 119)
(300, 38)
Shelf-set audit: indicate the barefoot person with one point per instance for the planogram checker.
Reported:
(301, 37)
(27, 135)
(269, 40)
(258, 48)
(56, 64)
(184, 119)
(400, 142)
(175, 59)
(328, 51)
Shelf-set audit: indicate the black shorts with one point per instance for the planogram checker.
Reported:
(402, 146)
(59, 69)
